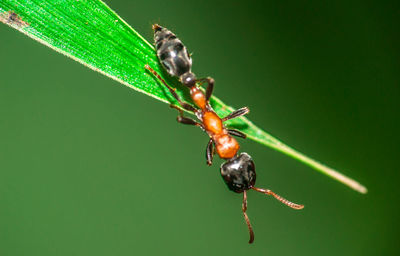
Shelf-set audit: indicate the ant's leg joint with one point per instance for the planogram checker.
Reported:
(210, 81)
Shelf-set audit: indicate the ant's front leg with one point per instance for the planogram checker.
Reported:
(210, 152)
(210, 87)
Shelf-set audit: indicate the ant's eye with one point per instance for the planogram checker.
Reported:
(239, 173)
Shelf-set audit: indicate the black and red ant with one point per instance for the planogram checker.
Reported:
(238, 171)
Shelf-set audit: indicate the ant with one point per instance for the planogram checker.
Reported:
(238, 171)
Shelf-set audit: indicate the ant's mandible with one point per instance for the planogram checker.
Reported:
(238, 171)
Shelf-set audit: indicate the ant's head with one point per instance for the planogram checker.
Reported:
(188, 79)
(239, 173)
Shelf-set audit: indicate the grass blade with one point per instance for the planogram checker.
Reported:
(92, 34)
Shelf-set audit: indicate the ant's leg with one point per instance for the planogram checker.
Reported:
(237, 133)
(210, 152)
(210, 87)
(171, 90)
(236, 113)
(185, 120)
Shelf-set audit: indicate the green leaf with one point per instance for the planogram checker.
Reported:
(92, 34)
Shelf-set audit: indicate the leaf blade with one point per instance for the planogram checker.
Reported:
(94, 35)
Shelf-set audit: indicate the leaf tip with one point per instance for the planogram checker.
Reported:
(362, 189)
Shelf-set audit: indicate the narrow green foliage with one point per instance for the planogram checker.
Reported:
(92, 34)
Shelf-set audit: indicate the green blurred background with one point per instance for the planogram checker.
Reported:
(90, 167)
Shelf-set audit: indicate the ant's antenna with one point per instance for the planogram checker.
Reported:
(246, 218)
(279, 198)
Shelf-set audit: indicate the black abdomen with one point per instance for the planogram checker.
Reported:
(172, 53)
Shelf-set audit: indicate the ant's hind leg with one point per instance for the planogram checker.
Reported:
(210, 152)
(239, 112)
(185, 120)
(210, 87)
(184, 105)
